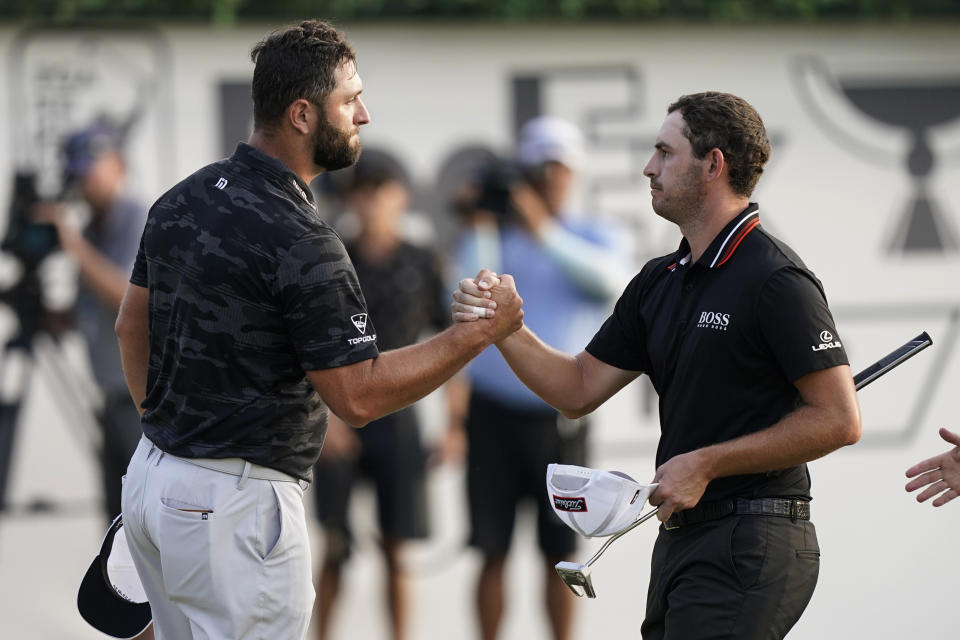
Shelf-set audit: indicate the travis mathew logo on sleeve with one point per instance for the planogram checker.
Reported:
(570, 504)
(826, 342)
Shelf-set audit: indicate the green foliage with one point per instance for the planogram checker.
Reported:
(729, 11)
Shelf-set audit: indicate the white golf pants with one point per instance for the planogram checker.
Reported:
(221, 556)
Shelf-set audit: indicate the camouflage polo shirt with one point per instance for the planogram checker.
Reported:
(248, 289)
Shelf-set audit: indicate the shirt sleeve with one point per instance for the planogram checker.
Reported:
(621, 340)
(322, 304)
(797, 324)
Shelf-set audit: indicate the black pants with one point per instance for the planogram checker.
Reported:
(508, 451)
(745, 577)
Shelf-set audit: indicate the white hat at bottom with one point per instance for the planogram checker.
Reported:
(593, 502)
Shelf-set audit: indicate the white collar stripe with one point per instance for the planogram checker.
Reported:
(730, 235)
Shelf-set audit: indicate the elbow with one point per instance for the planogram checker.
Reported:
(354, 413)
(851, 427)
(577, 412)
(355, 417)
(123, 327)
(853, 430)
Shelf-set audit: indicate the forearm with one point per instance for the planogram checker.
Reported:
(555, 376)
(104, 278)
(593, 268)
(132, 330)
(398, 378)
(803, 435)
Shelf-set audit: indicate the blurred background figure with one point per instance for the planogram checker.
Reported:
(101, 235)
(406, 297)
(570, 269)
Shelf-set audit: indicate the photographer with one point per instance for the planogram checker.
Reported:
(95, 176)
(518, 221)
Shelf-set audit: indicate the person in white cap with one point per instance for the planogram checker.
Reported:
(573, 268)
(739, 342)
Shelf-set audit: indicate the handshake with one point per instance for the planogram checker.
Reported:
(489, 297)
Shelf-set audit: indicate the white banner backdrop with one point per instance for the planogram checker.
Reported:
(863, 183)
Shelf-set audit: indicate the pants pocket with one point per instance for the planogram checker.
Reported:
(184, 539)
(271, 524)
(748, 549)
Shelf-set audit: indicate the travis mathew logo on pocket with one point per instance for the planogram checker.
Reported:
(570, 504)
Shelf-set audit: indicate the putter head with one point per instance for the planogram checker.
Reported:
(577, 577)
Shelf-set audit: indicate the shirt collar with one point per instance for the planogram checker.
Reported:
(260, 161)
(726, 242)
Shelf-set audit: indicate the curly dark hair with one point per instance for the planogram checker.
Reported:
(716, 120)
(299, 61)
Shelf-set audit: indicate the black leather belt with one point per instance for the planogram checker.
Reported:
(706, 511)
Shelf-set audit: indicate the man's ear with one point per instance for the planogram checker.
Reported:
(299, 115)
(716, 163)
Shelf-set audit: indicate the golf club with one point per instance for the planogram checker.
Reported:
(577, 576)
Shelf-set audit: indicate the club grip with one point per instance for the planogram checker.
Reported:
(891, 360)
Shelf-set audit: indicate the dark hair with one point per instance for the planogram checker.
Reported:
(299, 61)
(375, 168)
(715, 120)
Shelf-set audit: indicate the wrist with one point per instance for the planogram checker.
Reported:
(706, 461)
(476, 335)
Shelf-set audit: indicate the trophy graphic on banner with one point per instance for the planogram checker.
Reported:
(919, 103)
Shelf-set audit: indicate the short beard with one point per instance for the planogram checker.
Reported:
(332, 149)
(688, 202)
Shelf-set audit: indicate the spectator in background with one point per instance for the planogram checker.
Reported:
(406, 297)
(95, 172)
(572, 269)
(939, 474)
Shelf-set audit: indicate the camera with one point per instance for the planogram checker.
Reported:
(495, 185)
(29, 241)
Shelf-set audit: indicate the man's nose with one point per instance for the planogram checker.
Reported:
(363, 116)
(648, 169)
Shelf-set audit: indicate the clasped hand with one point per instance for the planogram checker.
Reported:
(492, 297)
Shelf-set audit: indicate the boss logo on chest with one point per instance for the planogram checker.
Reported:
(714, 320)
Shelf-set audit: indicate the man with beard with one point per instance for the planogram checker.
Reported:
(737, 338)
(243, 322)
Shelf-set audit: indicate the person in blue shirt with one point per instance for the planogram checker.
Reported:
(573, 267)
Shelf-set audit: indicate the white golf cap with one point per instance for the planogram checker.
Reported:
(111, 598)
(550, 139)
(593, 502)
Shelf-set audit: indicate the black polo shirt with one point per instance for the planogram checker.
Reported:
(723, 340)
(248, 290)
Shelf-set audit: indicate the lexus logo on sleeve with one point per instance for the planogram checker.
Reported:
(826, 342)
